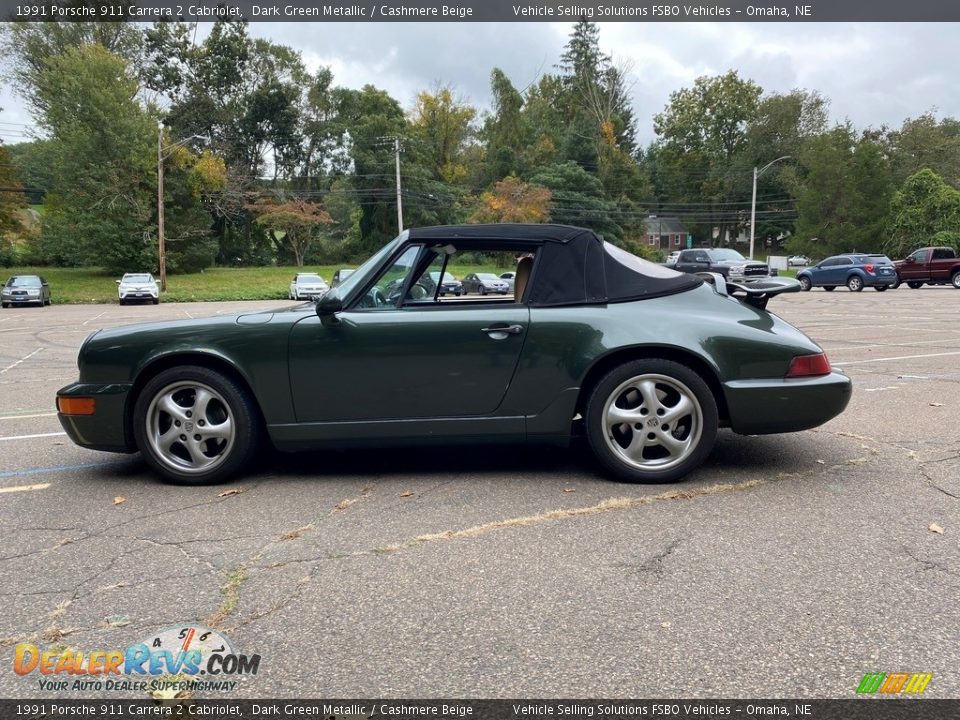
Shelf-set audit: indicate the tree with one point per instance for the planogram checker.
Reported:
(513, 201)
(702, 147)
(12, 203)
(29, 46)
(925, 143)
(101, 207)
(295, 222)
(925, 211)
(578, 199)
(843, 191)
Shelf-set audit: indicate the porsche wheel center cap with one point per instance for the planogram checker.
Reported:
(188, 426)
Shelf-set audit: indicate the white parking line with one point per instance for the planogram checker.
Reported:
(26, 417)
(887, 359)
(25, 357)
(25, 488)
(30, 437)
(94, 318)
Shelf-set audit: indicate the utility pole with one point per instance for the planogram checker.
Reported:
(161, 241)
(396, 150)
(161, 230)
(753, 203)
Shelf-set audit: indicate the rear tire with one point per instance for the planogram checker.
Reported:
(855, 283)
(955, 279)
(651, 421)
(880, 288)
(829, 288)
(805, 283)
(182, 404)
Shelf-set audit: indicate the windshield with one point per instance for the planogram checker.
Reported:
(447, 277)
(140, 278)
(357, 275)
(309, 279)
(487, 276)
(724, 254)
(24, 281)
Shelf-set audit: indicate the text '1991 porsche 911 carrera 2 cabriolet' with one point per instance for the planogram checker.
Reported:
(646, 362)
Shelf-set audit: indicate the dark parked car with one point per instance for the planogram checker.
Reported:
(340, 275)
(25, 290)
(644, 361)
(855, 270)
(484, 283)
(725, 261)
(449, 286)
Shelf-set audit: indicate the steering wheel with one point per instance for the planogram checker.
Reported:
(373, 299)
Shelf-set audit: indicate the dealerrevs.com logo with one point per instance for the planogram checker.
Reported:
(893, 683)
(177, 655)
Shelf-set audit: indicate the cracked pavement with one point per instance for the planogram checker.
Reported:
(787, 566)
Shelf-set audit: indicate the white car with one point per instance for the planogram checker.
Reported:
(510, 278)
(134, 287)
(798, 261)
(306, 286)
(672, 258)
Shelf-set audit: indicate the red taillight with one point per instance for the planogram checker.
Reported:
(809, 366)
(869, 269)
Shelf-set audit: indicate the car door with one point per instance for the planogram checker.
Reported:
(409, 361)
(917, 269)
(693, 261)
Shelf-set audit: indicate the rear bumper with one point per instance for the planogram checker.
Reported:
(877, 281)
(779, 405)
(106, 428)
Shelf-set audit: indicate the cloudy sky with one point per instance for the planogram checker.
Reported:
(872, 73)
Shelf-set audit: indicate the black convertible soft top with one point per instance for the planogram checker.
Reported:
(574, 265)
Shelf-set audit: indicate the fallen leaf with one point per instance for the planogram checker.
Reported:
(407, 493)
(821, 462)
(665, 624)
(936, 528)
(231, 491)
(569, 489)
(119, 499)
(936, 404)
(117, 620)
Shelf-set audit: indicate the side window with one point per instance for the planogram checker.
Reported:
(845, 261)
(387, 292)
(829, 262)
(701, 257)
(920, 256)
(942, 254)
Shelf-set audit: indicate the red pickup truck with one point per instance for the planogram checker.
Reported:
(931, 265)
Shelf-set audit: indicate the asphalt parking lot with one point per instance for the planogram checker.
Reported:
(787, 566)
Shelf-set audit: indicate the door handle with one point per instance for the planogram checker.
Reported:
(504, 330)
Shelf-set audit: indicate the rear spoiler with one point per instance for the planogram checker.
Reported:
(755, 293)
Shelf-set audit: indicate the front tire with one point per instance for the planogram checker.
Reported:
(855, 283)
(880, 288)
(483, 290)
(651, 421)
(805, 283)
(829, 288)
(195, 426)
(915, 285)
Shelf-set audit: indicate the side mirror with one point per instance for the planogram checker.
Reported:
(327, 307)
(910, 260)
(118, 282)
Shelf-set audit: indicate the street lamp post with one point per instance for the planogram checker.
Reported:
(753, 203)
(161, 237)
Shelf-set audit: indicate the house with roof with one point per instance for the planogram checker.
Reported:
(666, 232)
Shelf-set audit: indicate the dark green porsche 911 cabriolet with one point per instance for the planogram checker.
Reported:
(648, 363)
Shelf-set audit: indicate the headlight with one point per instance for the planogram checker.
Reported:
(33, 292)
(736, 270)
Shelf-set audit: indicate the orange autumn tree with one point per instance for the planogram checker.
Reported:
(513, 200)
(295, 222)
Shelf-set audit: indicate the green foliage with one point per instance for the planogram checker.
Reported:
(11, 204)
(842, 195)
(102, 197)
(925, 211)
(578, 199)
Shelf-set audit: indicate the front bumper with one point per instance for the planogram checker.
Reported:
(22, 299)
(106, 429)
(779, 405)
(139, 295)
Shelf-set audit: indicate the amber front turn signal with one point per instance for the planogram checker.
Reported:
(76, 405)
